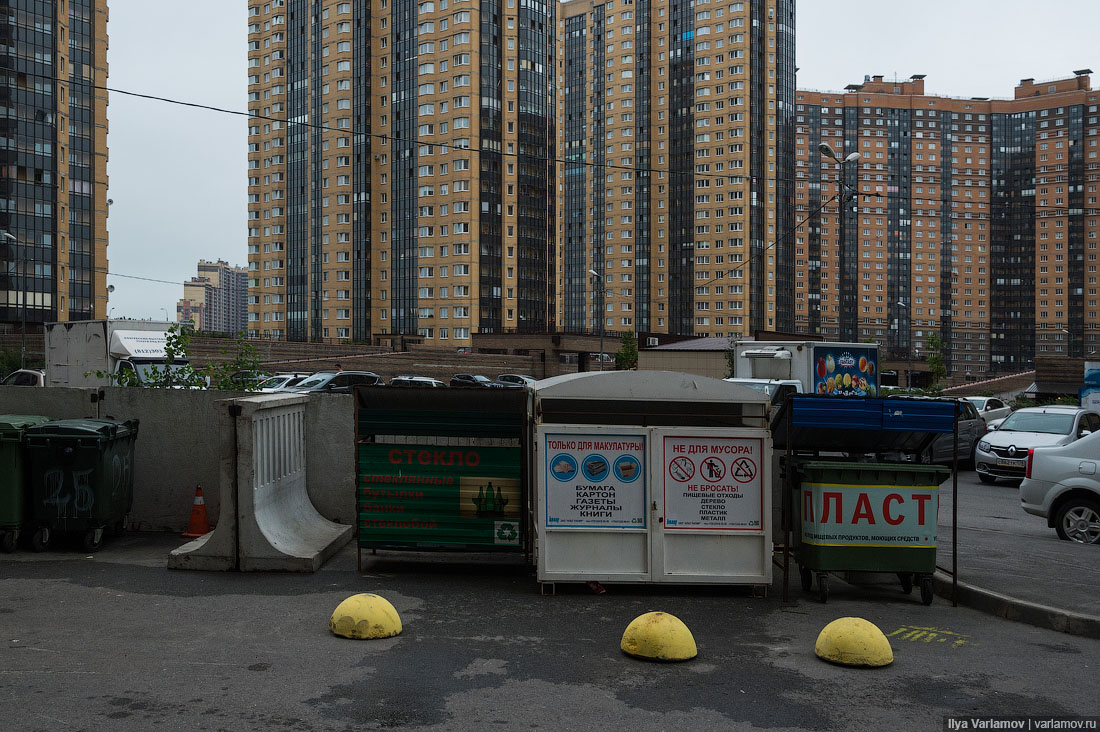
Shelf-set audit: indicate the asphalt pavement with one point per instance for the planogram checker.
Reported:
(1011, 564)
(116, 641)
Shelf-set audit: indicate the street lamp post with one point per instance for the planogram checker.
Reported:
(603, 294)
(847, 319)
(908, 343)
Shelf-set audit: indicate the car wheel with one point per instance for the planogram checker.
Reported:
(1078, 520)
(986, 478)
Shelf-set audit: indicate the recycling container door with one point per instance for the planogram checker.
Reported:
(592, 514)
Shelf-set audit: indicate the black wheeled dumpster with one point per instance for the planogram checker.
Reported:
(80, 478)
(12, 488)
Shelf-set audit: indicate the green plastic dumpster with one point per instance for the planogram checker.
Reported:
(868, 517)
(80, 478)
(12, 489)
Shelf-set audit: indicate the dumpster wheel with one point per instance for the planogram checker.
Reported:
(906, 582)
(8, 540)
(807, 578)
(40, 539)
(926, 590)
(823, 586)
(93, 539)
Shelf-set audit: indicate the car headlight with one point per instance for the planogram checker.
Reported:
(983, 446)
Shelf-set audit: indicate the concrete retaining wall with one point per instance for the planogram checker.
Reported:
(178, 446)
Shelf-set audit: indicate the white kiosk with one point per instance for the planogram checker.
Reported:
(650, 476)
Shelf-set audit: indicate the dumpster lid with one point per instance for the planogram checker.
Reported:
(84, 428)
(862, 424)
(942, 471)
(19, 422)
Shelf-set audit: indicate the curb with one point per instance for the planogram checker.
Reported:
(1021, 611)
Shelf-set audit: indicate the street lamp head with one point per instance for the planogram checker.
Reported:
(9, 235)
(852, 157)
(825, 149)
(902, 304)
(594, 273)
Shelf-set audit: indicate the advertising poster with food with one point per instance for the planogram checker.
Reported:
(845, 371)
(595, 480)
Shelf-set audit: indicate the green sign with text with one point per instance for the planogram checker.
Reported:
(427, 496)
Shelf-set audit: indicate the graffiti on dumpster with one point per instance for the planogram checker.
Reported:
(71, 493)
(863, 515)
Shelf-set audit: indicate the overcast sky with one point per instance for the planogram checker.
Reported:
(178, 176)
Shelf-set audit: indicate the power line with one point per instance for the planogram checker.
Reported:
(415, 141)
(147, 279)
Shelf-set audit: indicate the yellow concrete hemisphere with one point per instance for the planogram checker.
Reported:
(854, 642)
(658, 636)
(365, 616)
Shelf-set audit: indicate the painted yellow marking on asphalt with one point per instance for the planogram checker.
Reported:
(915, 633)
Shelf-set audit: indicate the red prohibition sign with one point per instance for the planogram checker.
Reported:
(744, 470)
(712, 469)
(681, 469)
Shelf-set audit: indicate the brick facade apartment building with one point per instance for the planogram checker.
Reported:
(453, 175)
(442, 169)
(216, 298)
(973, 219)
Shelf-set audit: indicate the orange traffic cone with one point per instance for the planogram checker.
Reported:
(199, 524)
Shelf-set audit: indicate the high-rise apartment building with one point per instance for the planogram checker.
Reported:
(410, 191)
(53, 162)
(972, 220)
(216, 298)
(675, 133)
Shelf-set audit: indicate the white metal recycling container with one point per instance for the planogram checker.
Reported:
(650, 476)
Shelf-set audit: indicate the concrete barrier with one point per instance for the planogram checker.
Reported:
(181, 445)
(274, 525)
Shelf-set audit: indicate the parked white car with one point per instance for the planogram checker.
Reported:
(990, 408)
(1062, 485)
(25, 377)
(280, 382)
(1002, 453)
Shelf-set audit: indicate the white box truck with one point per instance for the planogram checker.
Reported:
(77, 350)
(838, 369)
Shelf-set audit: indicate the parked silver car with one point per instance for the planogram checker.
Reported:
(990, 408)
(1002, 453)
(1061, 484)
(971, 430)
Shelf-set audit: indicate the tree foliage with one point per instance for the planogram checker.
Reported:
(731, 359)
(627, 355)
(177, 372)
(936, 364)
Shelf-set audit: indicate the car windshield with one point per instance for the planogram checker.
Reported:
(756, 386)
(978, 402)
(483, 379)
(1045, 422)
(316, 380)
(274, 382)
